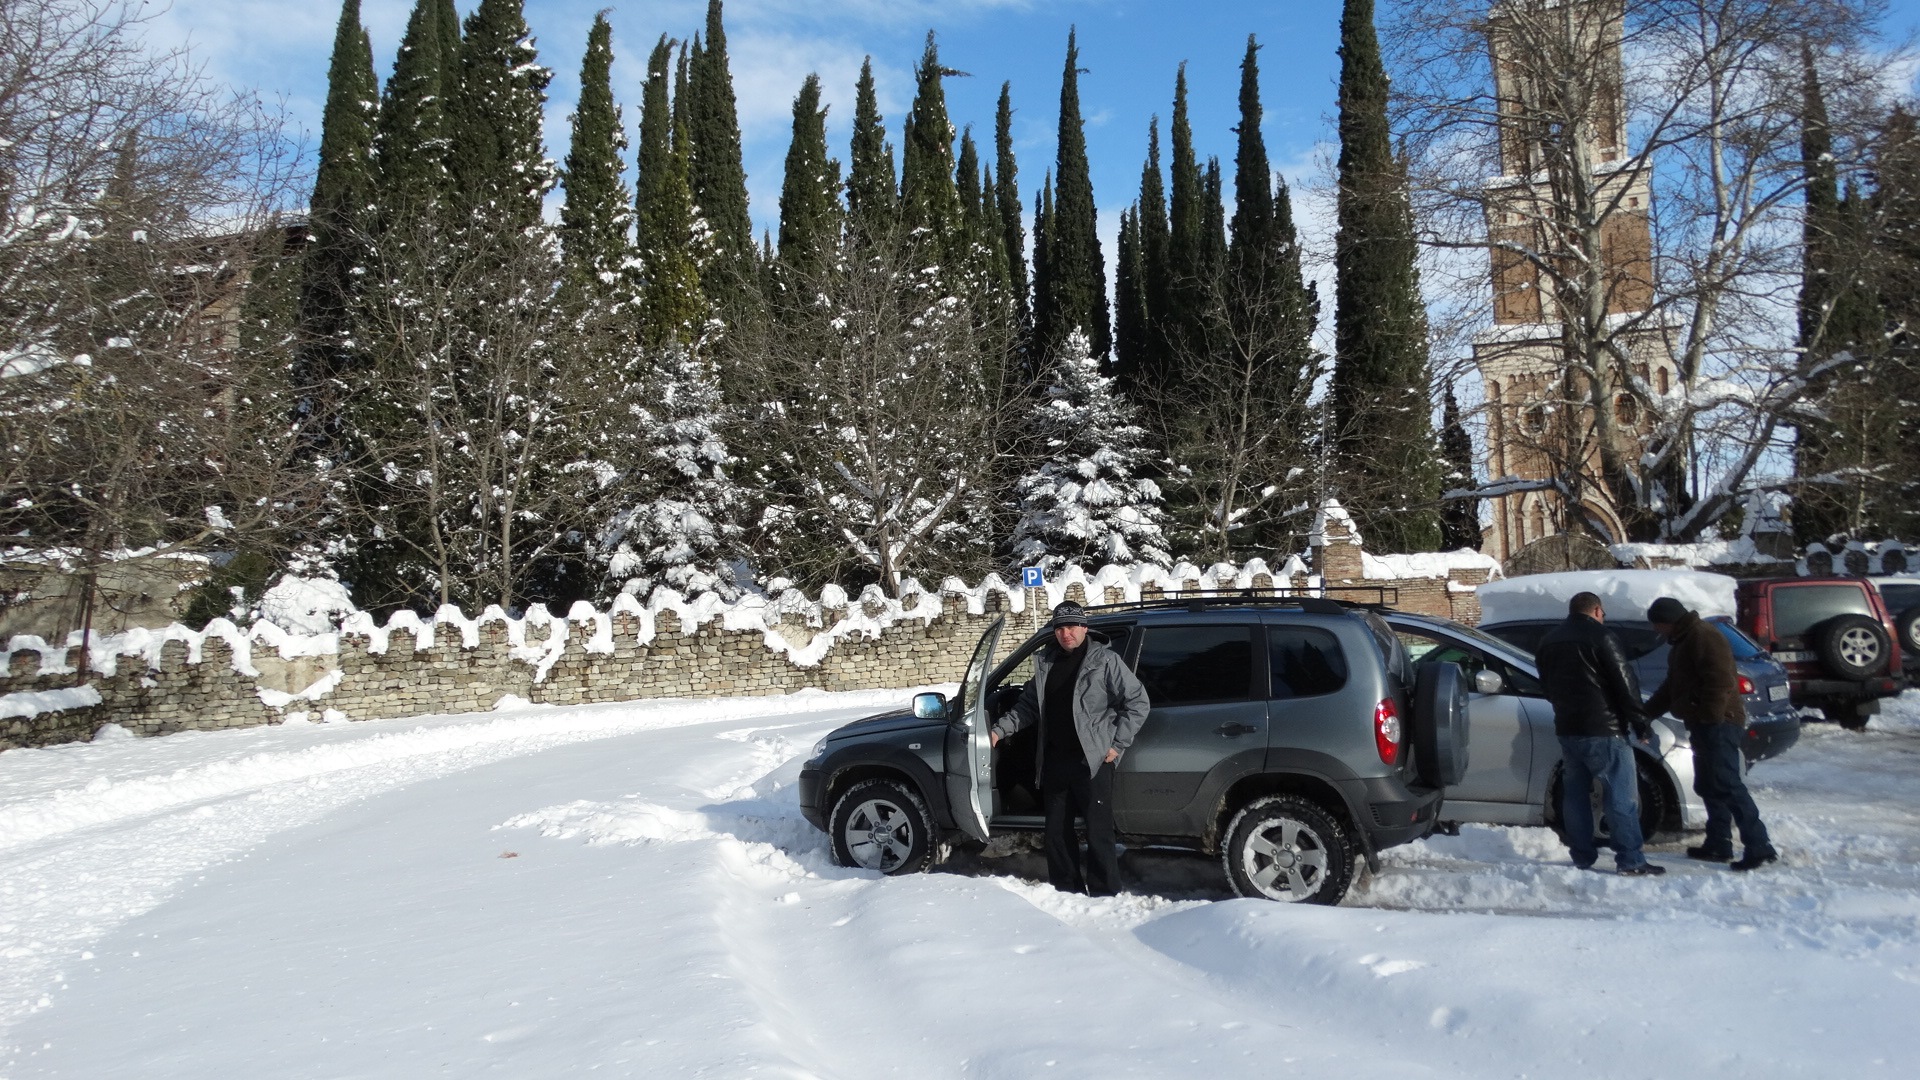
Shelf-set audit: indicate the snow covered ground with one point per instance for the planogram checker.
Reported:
(629, 890)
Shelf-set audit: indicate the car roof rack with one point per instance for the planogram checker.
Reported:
(1315, 600)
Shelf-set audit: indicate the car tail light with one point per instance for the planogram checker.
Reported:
(1746, 685)
(1386, 731)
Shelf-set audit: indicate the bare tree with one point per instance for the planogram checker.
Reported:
(1632, 169)
(138, 204)
(882, 417)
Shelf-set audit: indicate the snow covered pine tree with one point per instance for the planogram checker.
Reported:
(1086, 502)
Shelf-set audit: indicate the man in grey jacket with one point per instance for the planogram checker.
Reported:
(1089, 707)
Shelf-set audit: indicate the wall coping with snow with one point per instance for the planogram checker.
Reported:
(172, 679)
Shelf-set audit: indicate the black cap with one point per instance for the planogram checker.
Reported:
(1067, 613)
(1666, 610)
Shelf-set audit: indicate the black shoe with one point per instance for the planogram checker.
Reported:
(1753, 861)
(1583, 866)
(1645, 869)
(1709, 854)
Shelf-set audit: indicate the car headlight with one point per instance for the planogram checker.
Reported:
(819, 750)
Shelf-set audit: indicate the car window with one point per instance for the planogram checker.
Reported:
(1522, 635)
(1186, 665)
(1743, 646)
(1900, 598)
(1304, 662)
(1430, 649)
(1799, 608)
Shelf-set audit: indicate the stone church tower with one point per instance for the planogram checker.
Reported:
(1536, 410)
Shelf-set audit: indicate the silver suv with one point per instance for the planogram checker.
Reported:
(1288, 735)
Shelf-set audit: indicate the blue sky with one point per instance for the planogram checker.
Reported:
(1130, 49)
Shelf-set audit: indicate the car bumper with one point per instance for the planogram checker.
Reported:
(1770, 736)
(811, 782)
(1395, 813)
(1810, 693)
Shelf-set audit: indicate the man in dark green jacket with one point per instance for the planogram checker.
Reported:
(1702, 688)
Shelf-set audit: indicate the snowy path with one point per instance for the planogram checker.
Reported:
(339, 901)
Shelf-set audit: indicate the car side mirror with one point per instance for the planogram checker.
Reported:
(1488, 682)
(930, 706)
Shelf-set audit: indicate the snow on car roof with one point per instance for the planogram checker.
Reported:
(1626, 593)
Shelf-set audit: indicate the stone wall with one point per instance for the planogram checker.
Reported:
(180, 680)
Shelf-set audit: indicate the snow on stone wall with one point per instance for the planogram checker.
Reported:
(154, 682)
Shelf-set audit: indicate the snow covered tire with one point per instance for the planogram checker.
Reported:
(1287, 848)
(1653, 798)
(882, 825)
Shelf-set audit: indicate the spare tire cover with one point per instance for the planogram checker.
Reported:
(1440, 724)
(1852, 647)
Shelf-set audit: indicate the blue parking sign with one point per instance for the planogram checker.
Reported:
(1030, 577)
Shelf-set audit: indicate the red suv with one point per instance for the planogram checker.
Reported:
(1835, 637)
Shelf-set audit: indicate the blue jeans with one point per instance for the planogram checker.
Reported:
(1718, 768)
(1586, 759)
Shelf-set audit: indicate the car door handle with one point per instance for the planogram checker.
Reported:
(1229, 731)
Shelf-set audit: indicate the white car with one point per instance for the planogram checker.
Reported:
(1513, 765)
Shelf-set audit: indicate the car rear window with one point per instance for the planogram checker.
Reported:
(1901, 597)
(1799, 608)
(1188, 665)
(1304, 662)
(1744, 647)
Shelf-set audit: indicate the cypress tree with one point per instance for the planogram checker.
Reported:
(1383, 427)
(1077, 283)
(871, 196)
(929, 198)
(1858, 394)
(672, 305)
(715, 168)
(1270, 308)
(1043, 289)
(1156, 273)
(1254, 244)
(810, 195)
(1819, 512)
(497, 161)
(966, 181)
(1188, 286)
(1006, 191)
(1213, 235)
(1459, 518)
(411, 142)
(1129, 303)
(339, 215)
(597, 213)
(994, 236)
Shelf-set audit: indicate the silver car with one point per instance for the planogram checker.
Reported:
(1513, 761)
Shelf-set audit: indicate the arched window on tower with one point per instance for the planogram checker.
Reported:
(1539, 523)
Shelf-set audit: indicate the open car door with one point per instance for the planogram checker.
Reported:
(969, 742)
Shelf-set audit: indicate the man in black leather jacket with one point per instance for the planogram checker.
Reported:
(1596, 701)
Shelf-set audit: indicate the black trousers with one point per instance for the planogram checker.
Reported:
(1070, 791)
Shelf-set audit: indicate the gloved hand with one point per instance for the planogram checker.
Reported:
(1642, 730)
